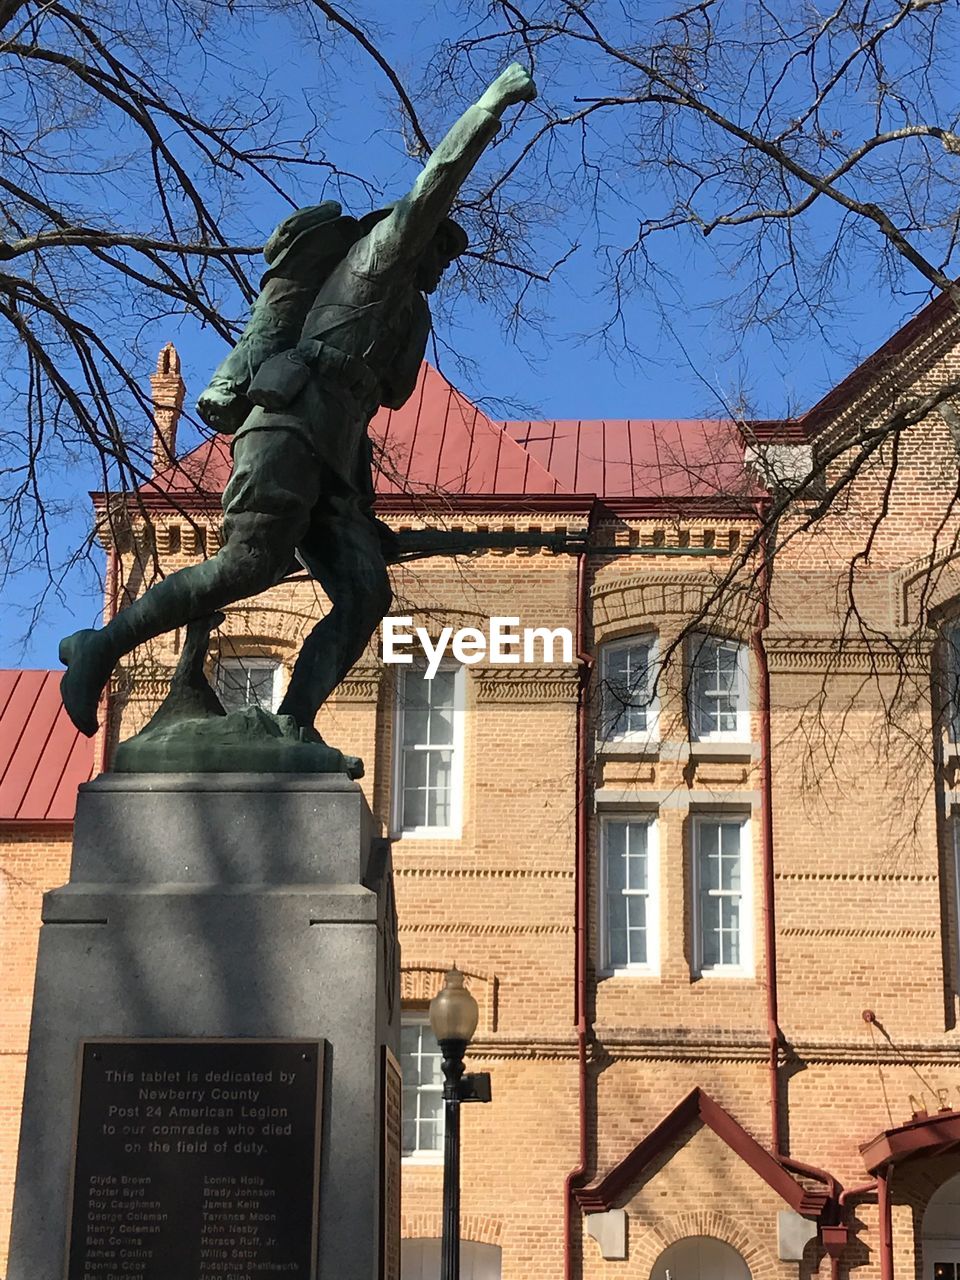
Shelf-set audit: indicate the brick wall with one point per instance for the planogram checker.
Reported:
(32, 860)
(863, 872)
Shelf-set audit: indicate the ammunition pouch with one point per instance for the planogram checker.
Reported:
(279, 380)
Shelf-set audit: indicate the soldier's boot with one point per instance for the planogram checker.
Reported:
(239, 569)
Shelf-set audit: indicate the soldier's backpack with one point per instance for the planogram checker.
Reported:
(300, 255)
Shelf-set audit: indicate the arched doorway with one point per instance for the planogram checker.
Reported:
(941, 1233)
(420, 1260)
(700, 1258)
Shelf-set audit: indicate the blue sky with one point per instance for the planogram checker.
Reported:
(690, 363)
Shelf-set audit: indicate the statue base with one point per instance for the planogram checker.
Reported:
(247, 741)
(215, 1016)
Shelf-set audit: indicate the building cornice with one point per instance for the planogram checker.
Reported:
(526, 684)
(490, 1048)
(833, 654)
(624, 1044)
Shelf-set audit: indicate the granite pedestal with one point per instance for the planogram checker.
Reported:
(218, 906)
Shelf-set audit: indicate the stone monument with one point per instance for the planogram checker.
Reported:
(211, 1090)
(214, 1007)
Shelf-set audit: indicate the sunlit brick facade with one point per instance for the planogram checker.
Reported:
(702, 879)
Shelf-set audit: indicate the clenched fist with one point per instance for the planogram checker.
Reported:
(513, 85)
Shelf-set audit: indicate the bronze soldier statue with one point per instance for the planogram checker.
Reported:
(340, 329)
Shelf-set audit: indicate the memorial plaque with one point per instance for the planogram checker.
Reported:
(196, 1160)
(391, 1121)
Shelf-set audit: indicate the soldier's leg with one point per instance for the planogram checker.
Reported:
(343, 553)
(267, 504)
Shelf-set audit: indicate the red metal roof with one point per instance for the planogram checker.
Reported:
(437, 443)
(440, 442)
(43, 758)
(640, 457)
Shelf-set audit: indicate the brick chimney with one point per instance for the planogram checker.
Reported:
(168, 392)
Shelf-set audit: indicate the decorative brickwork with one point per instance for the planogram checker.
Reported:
(419, 985)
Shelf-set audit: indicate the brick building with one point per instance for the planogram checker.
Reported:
(700, 873)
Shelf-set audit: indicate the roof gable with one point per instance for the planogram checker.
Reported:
(877, 364)
(439, 442)
(698, 1106)
(868, 373)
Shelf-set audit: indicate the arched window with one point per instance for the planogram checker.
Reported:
(941, 1233)
(700, 1258)
(628, 673)
(420, 1260)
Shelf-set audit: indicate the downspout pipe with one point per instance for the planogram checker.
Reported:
(857, 1193)
(758, 647)
(585, 667)
(884, 1178)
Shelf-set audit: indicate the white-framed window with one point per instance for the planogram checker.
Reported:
(719, 694)
(630, 905)
(422, 1090)
(249, 682)
(628, 672)
(429, 753)
(722, 898)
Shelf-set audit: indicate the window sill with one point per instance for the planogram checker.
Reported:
(718, 975)
(428, 833)
(432, 1161)
(605, 975)
(718, 749)
(635, 748)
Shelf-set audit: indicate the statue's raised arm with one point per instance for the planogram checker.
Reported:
(413, 221)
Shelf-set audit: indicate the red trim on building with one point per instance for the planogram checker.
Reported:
(699, 1106)
(516, 504)
(875, 365)
(934, 1135)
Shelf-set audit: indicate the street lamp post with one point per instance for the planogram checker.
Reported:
(453, 1017)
